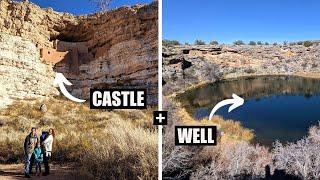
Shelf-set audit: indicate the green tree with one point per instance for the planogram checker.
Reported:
(199, 42)
(167, 42)
(252, 43)
(259, 43)
(213, 42)
(266, 43)
(238, 42)
(292, 43)
(300, 42)
(307, 43)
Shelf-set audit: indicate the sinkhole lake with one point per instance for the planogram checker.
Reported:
(275, 107)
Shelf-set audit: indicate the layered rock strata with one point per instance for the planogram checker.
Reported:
(22, 74)
(116, 49)
(191, 65)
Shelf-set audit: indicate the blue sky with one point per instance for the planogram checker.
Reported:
(230, 20)
(78, 7)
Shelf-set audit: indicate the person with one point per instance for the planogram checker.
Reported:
(29, 144)
(38, 157)
(47, 147)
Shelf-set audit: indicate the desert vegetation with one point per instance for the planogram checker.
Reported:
(199, 42)
(301, 158)
(307, 43)
(102, 5)
(252, 43)
(214, 42)
(239, 42)
(169, 43)
(120, 143)
(235, 156)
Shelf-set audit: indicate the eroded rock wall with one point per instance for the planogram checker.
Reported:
(185, 66)
(22, 74)
(121, 47)
(32, 22)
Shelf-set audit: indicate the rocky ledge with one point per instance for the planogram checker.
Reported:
(185, 66)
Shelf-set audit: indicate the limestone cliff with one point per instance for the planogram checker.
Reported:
(22, 74)
(106, 50)
(33, 23)
(122, 51)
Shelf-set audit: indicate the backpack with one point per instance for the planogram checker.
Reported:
(44, 136)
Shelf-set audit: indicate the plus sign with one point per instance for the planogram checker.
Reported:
(160, 118)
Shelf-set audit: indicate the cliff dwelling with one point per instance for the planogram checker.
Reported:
(116, 49)
(70, 53)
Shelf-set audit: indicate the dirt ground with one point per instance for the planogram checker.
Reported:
(57, 172)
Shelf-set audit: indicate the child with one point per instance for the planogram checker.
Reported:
(38, 157)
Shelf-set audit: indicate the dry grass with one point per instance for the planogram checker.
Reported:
(231, 130)
(195, 162)
(234, 157)
(122, 143)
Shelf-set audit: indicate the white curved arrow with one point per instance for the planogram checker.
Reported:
(60, 80)
(236, 102)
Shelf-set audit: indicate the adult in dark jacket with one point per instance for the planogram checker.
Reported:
(29, 144)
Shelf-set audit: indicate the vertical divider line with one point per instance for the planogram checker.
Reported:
(160, 87)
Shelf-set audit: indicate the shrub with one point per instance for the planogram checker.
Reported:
(235, 161)
(252, 43)
(249, 70)
(167, 42)
(199, 42)
(238, 42)
(301, 158)
(214, 42)
(307, 43)
(300, 42)
(179, 163)
(275, 44)
(292, 43)
(121, 144)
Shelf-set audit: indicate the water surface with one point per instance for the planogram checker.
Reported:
(276, 107)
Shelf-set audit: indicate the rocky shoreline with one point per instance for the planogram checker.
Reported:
(190, 66)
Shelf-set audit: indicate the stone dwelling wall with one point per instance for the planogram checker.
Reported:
(113, 49)
(53, 56)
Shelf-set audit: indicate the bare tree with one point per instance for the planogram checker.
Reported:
(102, 5)
(234, 161)
(300, 158)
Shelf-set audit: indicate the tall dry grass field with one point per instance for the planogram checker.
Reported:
(118, 144)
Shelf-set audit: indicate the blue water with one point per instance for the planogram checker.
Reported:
(275, 109)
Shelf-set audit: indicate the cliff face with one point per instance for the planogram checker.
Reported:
(103, 50)
(190, 65)
(31, 22)
(22, 74)
(122, 52)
